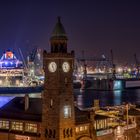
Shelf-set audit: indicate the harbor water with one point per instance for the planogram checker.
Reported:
(107, 98)
(85, 98)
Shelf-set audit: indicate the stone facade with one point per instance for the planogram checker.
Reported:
(58, 119)
(58, 98)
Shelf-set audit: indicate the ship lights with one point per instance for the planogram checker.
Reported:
(129, 70)
(0, 82)
(9, 60)
(6, 63)
(119, 70)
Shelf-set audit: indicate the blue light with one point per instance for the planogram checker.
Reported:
(4, 100)
(117, 85)
(9, 60)
(6, 63)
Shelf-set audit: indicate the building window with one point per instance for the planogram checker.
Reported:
(77, 129)
(17, 126)
(81, 128)
(86, 127)
(31, 127)
(67, 111)
(95, 125)
(51, 103)
(4, 124)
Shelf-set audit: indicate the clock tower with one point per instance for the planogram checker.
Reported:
(58, 120)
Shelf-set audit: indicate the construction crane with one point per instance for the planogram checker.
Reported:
(137, 65)
(23, 58)
(113, 65)
(32, 55)
(101, 61)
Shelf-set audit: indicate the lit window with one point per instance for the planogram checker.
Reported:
(86, 127)
(4, 124)
(105, 123)
(77, 129)
(95, 125)
(30, 127)
(81, 128)
(17, 126)
(67, 111)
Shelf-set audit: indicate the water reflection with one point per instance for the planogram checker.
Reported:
(86, 98)
(107, 98)
(117, 97)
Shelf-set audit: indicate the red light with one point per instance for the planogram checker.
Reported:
(9, 55)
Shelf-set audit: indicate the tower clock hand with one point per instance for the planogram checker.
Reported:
(53, 67)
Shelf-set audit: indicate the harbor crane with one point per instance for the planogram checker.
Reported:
(101, 62)
(137, 63)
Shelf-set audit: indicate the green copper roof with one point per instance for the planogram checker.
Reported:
(59, 31)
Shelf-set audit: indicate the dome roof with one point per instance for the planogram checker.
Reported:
(59, 31)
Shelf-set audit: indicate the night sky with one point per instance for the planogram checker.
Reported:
(95, 26)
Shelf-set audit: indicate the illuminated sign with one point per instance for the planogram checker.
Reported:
(9, 55)
(20, 137)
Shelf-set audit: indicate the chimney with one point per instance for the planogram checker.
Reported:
(26, 102)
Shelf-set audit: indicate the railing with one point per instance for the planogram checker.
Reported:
(130, 126)
(109, 131)
(104, 132)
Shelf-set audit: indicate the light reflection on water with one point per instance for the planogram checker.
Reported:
(117, 97)
(107, 98)
(86, 98)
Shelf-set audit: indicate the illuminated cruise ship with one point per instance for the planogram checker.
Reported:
(12, 76)
(11, 70)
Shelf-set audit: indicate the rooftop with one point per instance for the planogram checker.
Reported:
(15, 109)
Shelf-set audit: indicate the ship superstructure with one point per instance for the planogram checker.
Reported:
(11, 70)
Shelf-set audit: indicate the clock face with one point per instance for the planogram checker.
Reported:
(52, 66)
(66, 67)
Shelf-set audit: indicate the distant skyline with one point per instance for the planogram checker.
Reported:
(95, 26)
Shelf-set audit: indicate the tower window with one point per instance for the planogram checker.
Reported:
(67, 111)
(51, 103)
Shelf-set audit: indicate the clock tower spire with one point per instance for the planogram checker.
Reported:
(58, 119)
(58, 38)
